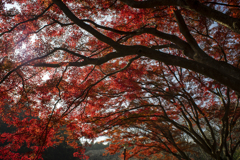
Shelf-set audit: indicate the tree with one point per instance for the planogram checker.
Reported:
(163, 67)
(183, 120)
(59, 151)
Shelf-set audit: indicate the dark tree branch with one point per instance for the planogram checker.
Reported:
(194, 5)
(147, 52)
(166, 46)
(85, 26)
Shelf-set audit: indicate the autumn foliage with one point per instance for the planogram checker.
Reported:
(160, 77)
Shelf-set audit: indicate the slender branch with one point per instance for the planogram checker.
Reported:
(85, 26)
(86, 91)
(25, 63)
(222, 4)
(32, 19)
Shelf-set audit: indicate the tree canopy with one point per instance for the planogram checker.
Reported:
(160, 77)
(60, 151)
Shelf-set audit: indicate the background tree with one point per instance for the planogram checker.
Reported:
(156, 63)
(179, 118)
(60, 150)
